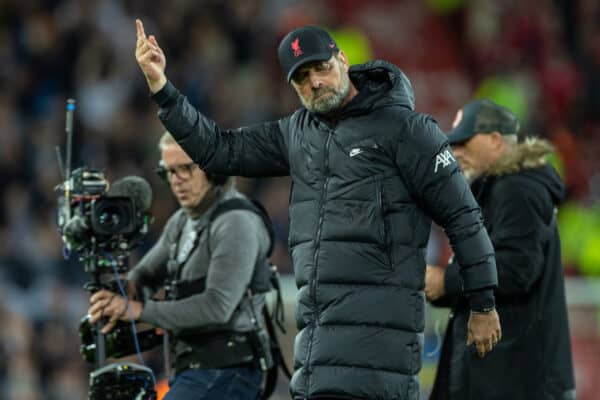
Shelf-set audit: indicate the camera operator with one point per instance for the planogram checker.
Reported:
(206, 265)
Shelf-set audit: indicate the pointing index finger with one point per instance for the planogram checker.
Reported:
(140, 29)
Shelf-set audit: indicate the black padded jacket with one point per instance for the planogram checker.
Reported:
(366, 183)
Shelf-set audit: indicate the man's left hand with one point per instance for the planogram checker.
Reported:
(484, 331)
(113, 306)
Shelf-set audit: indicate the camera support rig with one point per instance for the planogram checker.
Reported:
(96, 265)
(103, 230)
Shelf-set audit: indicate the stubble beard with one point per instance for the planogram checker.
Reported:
(327, 99)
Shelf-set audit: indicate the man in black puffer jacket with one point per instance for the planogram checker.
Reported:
(368, 176)
(518, 193)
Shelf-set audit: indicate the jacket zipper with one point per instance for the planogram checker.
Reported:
(386, 228)
(313, 281)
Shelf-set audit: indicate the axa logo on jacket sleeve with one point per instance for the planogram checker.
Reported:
(444, 159)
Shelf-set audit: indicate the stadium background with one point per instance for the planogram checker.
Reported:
(539, 57)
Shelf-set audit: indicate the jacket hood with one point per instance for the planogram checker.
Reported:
(529, 158)
(386, 83)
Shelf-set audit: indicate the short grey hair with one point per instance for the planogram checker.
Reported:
(218, 180)
(511, 140)
(166, 140)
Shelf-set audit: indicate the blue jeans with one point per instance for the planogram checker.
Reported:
(237, 383)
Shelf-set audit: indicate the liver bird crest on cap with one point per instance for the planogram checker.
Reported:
(296, 48)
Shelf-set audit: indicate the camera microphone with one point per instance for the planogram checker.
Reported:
(134, 187)
(69, 132)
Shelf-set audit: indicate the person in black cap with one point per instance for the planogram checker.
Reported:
(518, 193)
(368, 176)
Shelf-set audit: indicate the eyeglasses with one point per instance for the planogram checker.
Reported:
(183, 171)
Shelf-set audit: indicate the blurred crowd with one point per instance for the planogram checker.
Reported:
(539, 57)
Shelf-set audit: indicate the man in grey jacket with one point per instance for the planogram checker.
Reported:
(209, 265)
(368, 176)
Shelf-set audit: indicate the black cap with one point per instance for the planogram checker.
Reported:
(482, 116)
(302, 45)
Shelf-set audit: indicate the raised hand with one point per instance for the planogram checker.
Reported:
(150, 58)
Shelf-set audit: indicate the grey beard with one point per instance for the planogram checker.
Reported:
(471, 175)
(330, 103)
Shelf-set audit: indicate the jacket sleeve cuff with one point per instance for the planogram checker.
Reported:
(482, 300)
(453, 284)
(166, 96)
(148, 312)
